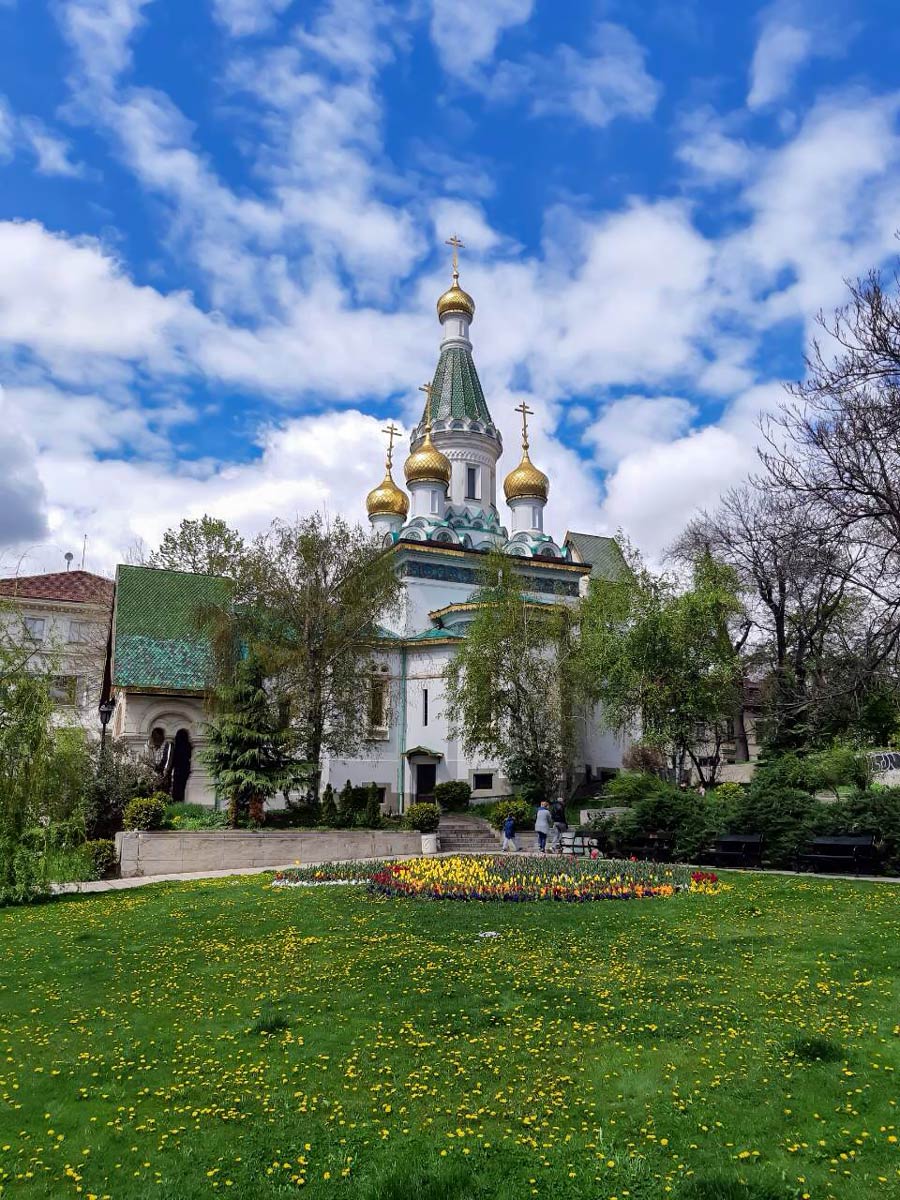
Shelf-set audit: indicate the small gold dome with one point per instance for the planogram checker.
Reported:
(427, 464)
(387, 500)
(456, 300)
(526, 481)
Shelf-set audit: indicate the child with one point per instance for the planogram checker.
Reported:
(543, 823)
(509, 835)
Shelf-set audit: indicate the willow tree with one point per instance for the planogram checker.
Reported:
(307, 599)
(509, 689)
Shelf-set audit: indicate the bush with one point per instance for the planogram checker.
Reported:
(693, 821)
(453, 796)
(145, 813)
(329, 816)
(21, 873)
(372, 815)
(728, 792)
(101, 855)
(644, 758)
(423, 817)
(194, 816)
(517, 808)
(785, 816)
(631, 786)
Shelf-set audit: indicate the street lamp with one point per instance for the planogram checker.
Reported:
(106, 711)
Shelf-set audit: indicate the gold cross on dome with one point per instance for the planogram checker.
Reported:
(457, 246)
(526, 413)
(427, 389)
(392, 431)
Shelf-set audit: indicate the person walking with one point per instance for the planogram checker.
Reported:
(560, 825)
(509, 835)
(543, 823)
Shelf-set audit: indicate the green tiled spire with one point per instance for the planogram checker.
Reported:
(456, 388)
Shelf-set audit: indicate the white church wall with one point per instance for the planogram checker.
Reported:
(138, 713)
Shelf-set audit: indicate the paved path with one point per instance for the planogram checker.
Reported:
(116, 885)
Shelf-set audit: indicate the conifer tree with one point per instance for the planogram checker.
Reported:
(373, 807)
(329, 808)
(248, 748)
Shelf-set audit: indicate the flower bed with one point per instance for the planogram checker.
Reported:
(495, 877)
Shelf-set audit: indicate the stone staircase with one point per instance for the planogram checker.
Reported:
(464, 833)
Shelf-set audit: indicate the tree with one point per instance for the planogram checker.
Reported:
(798, 615)
(510, 688)
(248, 744)
(309, 597)
(205, 547)
(663, 659)
(834, 448)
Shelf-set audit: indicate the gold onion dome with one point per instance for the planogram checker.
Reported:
(526, 481)
(427, 464)
(455, 299)
(387, 500)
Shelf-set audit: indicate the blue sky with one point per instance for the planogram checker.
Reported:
(222, 228)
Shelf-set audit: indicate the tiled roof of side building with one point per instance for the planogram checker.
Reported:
(71, 587)
(457, 393)
(603, 553)
(159, 642)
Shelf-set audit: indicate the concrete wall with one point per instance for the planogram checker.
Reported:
(166, 853)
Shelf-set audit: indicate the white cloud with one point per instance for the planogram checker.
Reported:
(635, 423)
(243, 17)
(22, 499)
(50, 150)
(710, 149)
(7, 130)
(792, 33)
(466, 32)
(100, 31)
(609, 81)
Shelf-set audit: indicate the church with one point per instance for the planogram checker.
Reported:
(438, 531)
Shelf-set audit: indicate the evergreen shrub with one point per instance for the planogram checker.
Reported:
(629, 787)
(101, 855)
(423, 817)
(520, 810)
(453, 796)
(145, 813)
(372, 814)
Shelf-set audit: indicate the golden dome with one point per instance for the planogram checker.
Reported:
(526, 481)
(427, 464)
(455, 299)
(387, 500)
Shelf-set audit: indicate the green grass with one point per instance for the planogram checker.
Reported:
(226, 1038)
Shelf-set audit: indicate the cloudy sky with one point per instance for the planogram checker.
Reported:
(222, 228)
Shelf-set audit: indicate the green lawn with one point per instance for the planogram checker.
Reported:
(616, 1049)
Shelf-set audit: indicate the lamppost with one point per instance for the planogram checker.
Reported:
(106, 711)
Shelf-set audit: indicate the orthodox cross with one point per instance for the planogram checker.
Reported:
(526, 413)
(392, 431)
(427, 389)
(457, 246)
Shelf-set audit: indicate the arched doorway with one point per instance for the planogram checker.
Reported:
(182, 751)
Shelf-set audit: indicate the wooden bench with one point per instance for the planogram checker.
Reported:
(846, 853)
(655, 847)
(741, 850)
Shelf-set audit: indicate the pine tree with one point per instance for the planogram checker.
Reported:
(373, 807)
(345, 803)
(247, 752)
(329, 808)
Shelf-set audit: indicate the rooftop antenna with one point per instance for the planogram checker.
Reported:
(83, 551)
(68, 557)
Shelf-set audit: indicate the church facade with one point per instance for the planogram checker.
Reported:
(439, 531)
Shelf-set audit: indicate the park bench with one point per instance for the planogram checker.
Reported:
(653, 847)
(579, 842)
(850, 852)
(742, 850)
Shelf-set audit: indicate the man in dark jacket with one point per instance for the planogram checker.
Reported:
(560, 825)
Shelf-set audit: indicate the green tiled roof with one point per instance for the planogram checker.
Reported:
(457, 393)
(602, 553)
(430, 635)
(158, 643)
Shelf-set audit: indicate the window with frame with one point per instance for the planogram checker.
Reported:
(80, 631)
(379, 695)
(472, 483)
(64, 690)
(435, 502)
(36, 627)
(482, 781)
(424, 706)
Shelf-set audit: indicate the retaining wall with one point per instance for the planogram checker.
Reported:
(194, 851)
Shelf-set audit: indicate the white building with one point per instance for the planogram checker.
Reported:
(61, 622)
(439, 535)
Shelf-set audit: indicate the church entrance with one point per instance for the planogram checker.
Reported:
(426, 778)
